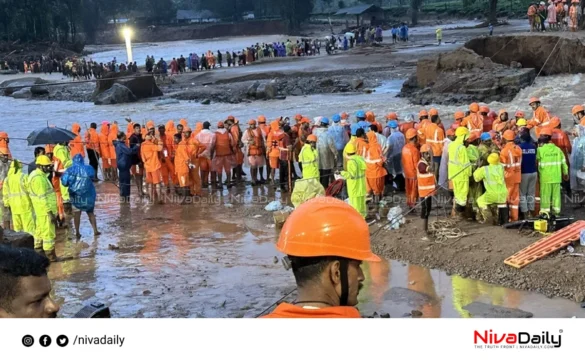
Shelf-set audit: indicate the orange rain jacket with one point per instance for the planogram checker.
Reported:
(286, 310)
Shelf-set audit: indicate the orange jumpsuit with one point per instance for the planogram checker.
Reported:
(149, 154)
(195, 148)
(435, 137)
(104, 149)
(403, 127)
(167, 170)
(561, 140)
(511, 158)
(113, 136)
(76, 145)
(375, 171)
(540, 119)
(286, 310)
(410, 158)
(237, 137)
(4, 142)
(182, 160)
(421, 129)
(473, 122)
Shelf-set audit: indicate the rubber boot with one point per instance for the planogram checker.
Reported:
(426, 226)
(503, 215)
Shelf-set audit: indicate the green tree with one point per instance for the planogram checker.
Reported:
(414, 8)
(493, 12)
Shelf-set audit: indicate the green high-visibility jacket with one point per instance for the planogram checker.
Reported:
(309, 158)
(458, 161)
(552, 164)
(41, 193)
(355, 176)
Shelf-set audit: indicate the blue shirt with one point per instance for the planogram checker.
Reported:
(528, 157)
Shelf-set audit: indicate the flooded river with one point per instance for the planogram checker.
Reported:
(206, 260)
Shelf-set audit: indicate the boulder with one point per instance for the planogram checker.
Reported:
(17, 239)
(483, 310)
(206, 102)
(22, 93)
(14, 85)
(266, 91)
(39, 90)
(296, 92)
(140, 85)
(115, 95)
(357, 83)
(251, 92)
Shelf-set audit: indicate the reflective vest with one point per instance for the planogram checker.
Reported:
(435, 137)
(473, 122)
(310, 160)
(511, 158)
(459, 169)
(426, 181)
(14, 193)
(257, 147)
(223, 144)
(41, 193)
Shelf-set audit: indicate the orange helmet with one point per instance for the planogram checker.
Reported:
(519, 114)
(312, 138)
(534, 100)
(305, 120)
(473, 136)
(459, 115)
(425, 148)
(220, 124)
(231, 118)
(252, 122)
(422, 114)
(370, 117)
(433, 112)
(547, 131)
(261, 119)
(298, 117)
(474, 107)
(187, 129)
(555, 122)
(149, 124)
(484, 109)
(344, 115)
(411, 133)
(326, 226)
(509, 135)
(450, 132)
(578, 108)
(392, 116)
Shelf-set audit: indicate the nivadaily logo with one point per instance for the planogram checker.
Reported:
(491, 339)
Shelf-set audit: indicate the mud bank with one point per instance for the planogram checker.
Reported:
(481, 256)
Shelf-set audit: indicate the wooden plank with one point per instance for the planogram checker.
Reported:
(546, 246)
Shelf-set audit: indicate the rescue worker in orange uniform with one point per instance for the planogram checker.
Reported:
(206, 138)
(511, 159)
(265, 129)
(423, 117)
(578, 113)
(167, 166)
(407, 124)
(255, 150)
(92, 144)
(223, 155)
(426, 182)
(371, 118)
(233, 126)
(540, 117)
(375, 171)
(104, 137)
(459, 117)
(112, 136)
(194, 150)
(435, 138)
(182, 162)
(561, 140)
(149, 153)
(4, 142)
(519, 115)
(484, 111)
(474, 122)
(502, 122)
(410, 159)
(76, 145)
(327, 270)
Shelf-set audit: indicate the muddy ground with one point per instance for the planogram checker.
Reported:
(481, 256)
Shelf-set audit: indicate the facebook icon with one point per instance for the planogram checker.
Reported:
(45, 340)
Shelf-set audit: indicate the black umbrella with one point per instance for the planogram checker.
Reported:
(50, 136)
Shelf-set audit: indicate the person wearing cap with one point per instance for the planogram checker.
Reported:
(15, 197)
(540, 116)
(561, 140)
(183, 153)
(511, 159)
(423, 118)
(194, 150)
(577, 166)
(532, 17)
(392, 116)
(4, 169)
(473, 122)
(327, 152)
(360, 116)
(92, 144)
(458, 120)
(435, 137)
(44, 201)
(459, 170)
(167, 156)
(5, 142)
(61, 162)
(149, 151)
(488, 121)
(233, 127)
(410, 158)
(112, 137)
(529, 176)
(551, 17)
(496, 193)
(309, 158)
(407, 124)
(352, 140)
(340, 137)
(206, 138)
(574, 15)
(104, 149)
(501, 119)
(578, 113)
(552, 169)
(124, 157)
(355, 178)
(223, 156)
(486, 148)
(76, 145)
(396, 142)
(519, 115)
(254, 148)
(327, 269)
(427, 183)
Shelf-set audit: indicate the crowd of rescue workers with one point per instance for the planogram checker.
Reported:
(489, 165)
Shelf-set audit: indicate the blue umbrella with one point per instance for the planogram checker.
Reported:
(50, 136)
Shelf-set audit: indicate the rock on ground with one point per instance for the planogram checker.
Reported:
(17, 239)
(15, 85)
(483, 310)
(115, 95)
(39, 90)
(140, 85)
(22, 93)
(410, 297)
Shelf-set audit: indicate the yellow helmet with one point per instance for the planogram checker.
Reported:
(521, 122)
(461, 131)
(493, 159)
(350, 148)
(43, 160)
